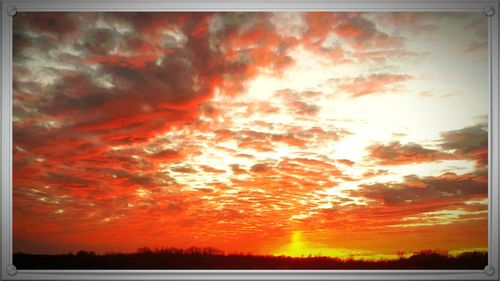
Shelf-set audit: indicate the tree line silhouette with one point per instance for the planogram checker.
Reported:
(212, 258)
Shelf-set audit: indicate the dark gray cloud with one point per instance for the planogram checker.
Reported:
(468, 143)
(396, 153)
(419, 190)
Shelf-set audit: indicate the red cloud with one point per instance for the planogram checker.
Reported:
(354, 29)
(363, 34)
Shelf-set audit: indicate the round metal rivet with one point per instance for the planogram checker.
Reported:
(489, 270)
(11, 270)
(489, 11)
(11, 11)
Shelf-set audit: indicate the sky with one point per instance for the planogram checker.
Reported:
(336, 134)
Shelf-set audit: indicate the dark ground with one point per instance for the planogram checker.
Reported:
(208, 258)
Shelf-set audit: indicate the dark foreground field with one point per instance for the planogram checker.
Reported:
(208, 258)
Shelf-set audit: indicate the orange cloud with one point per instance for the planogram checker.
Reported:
(376, 83)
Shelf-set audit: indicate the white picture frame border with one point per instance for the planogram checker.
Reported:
(10, 7)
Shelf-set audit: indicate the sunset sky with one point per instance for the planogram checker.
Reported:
(336, 134)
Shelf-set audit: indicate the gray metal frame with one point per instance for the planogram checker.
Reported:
(10, 7)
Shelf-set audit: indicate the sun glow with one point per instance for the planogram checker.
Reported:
(298, 246)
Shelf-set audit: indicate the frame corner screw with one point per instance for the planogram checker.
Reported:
(11, 11)
(489, 11)
(489, 270)
(11, 270)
